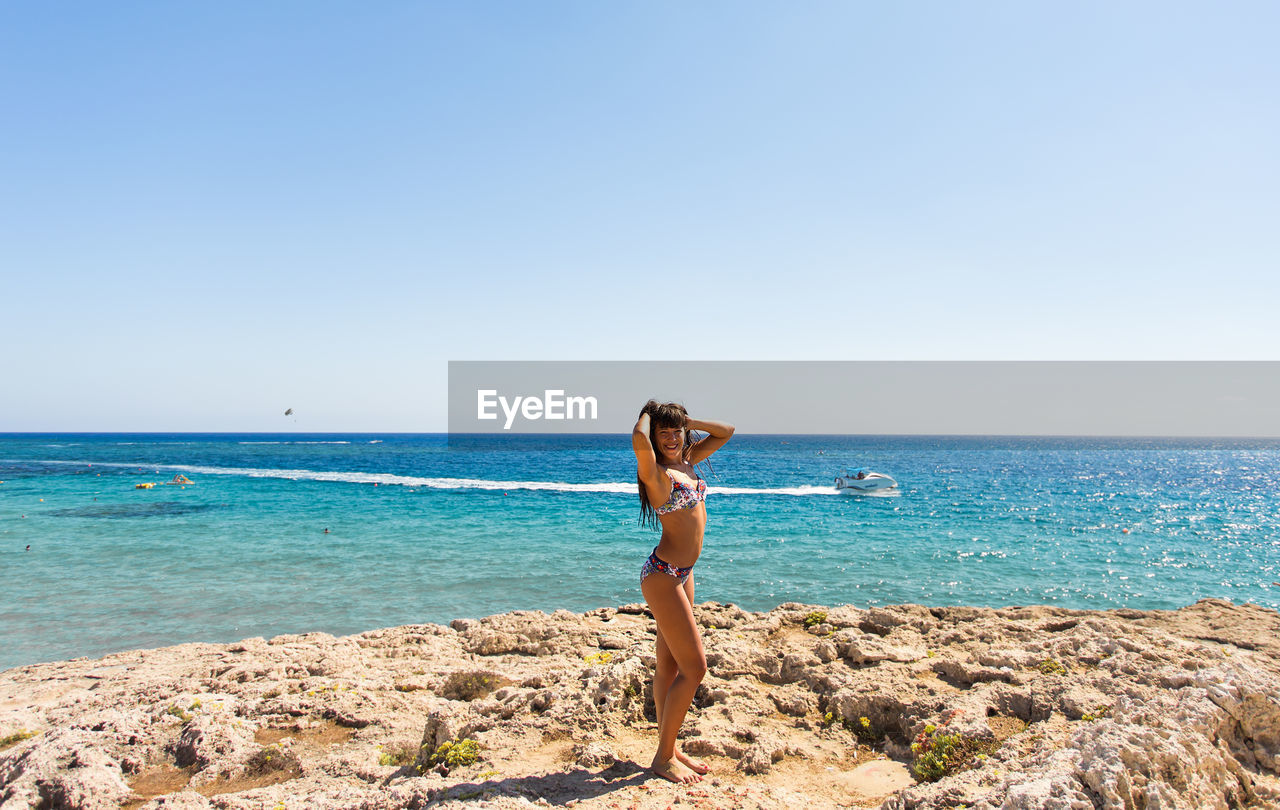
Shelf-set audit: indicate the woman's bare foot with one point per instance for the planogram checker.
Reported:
(674, 770)
(695, 765)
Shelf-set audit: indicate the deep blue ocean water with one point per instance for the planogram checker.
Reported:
(421, 531)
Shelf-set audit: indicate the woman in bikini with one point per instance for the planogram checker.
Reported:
(665, 455)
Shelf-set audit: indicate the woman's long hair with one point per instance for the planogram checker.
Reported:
(670, 415)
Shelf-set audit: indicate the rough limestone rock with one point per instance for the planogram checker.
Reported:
(802, 706)
(593, 755)
(867, 648)
(65, 768)
(621, 687)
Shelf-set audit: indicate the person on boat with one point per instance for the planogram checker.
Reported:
(665, 475)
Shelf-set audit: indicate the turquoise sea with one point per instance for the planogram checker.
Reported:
(424, 531)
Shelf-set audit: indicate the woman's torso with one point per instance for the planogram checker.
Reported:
(685, 517)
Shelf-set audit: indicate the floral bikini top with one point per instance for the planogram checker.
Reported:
(683, 496)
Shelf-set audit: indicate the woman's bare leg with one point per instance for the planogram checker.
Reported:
(697, 765)
(673, 613)
(663, 676)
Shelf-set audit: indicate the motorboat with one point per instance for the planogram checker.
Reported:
(863, 480)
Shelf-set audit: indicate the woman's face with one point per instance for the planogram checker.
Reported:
(670, 443)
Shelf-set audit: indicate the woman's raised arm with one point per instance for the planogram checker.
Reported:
(647, 462)
(720, 432)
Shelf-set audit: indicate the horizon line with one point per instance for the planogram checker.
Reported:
(514, 434)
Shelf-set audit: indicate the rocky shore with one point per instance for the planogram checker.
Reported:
(898, 707)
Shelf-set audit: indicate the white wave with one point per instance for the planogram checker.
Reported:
(293, 442)
(622, 487)
(802, 490)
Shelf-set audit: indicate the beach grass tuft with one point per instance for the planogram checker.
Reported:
(398, 754)
(471, 685)
(1096, 714)
(864, 729)
(14, 739)
(861, 726)
(937, 753)
(452, 754)
(273, 759)
(815, 618)
(179, 713)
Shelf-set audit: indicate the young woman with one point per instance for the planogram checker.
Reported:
(665, 455)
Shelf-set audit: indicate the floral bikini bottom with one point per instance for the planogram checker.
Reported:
(657, 565)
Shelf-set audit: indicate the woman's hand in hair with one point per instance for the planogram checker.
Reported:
(646, 414)
(720, 432)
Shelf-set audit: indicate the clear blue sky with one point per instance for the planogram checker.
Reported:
(214, 211)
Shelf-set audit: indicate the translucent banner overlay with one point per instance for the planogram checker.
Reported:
(1032, 398)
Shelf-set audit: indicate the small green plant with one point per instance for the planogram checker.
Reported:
(815, 618)
(14, 739)
(864, 729)
(938, 753)
(457, 754)
(271, 759)
(632, 690)
(930, 653)
(178, 713)
(1096, 714)
(195, 704)
(398, 755)
(602, 657)
(452, 754)
(1050, 666)
(472, 685)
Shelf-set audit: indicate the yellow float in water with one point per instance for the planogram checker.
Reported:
(143, 486)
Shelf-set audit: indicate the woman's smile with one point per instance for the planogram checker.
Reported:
(670, 441)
